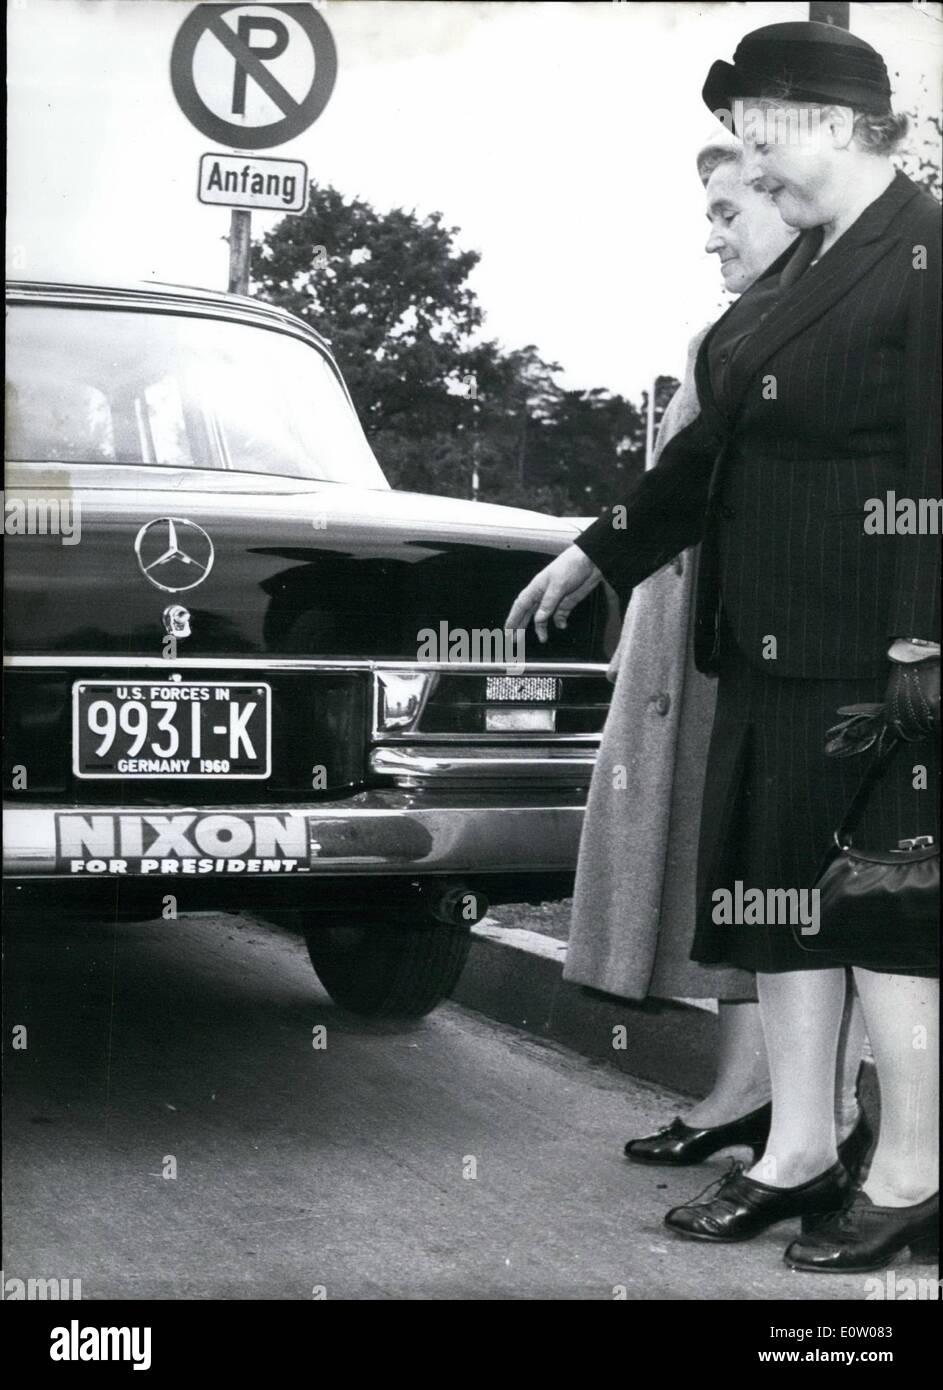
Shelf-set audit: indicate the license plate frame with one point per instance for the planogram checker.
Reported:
(80, 763)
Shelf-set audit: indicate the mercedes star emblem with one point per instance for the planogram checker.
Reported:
(174, 554)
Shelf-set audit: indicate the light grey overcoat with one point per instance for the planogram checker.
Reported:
(633, 909)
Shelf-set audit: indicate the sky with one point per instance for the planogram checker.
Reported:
(559, 138)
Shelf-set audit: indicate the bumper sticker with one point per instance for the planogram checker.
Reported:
(219, 843)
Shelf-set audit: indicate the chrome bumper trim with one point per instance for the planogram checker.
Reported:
(291, 663)
(410, 767)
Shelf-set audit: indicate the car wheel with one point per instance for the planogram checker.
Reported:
(380, 969)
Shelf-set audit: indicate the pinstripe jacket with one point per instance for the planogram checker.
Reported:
(832, 402)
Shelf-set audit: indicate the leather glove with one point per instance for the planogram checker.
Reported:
(861, 727)
(912, 699)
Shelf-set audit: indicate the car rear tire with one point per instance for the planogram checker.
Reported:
(384, 970)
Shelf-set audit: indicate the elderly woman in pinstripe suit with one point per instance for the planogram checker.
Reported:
(633, 909)
(818, 391)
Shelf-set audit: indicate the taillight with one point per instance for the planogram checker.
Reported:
(399, 699)
(449, 704)
(524, 704)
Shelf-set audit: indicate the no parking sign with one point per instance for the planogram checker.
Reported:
(253, 76)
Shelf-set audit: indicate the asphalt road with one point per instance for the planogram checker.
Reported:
(453, 1158)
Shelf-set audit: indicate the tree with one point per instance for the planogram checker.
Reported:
(922, 160)
(922, 156)
(389, 291)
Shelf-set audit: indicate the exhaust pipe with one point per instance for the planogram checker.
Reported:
(457, 904)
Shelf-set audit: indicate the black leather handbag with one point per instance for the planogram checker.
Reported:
(879, 909)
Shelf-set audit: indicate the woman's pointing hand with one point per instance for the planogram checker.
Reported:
(554, 592)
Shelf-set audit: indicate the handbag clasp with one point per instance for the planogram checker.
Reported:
(915, 842)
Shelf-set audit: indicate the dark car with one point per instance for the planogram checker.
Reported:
(243, 672)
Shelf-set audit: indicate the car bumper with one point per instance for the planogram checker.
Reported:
(396, 831)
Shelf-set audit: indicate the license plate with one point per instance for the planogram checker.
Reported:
(176, 730)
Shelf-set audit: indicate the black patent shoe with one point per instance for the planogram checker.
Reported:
(679, 1145)
(743, 1208)
(854, 1150)
(864, 1237)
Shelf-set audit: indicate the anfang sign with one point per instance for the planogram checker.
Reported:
(246, 181)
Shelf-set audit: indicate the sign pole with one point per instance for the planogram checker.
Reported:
(830, 13)
(244, 180)
(240, 241)
(650, 425)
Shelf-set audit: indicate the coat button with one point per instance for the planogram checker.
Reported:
(661, 702)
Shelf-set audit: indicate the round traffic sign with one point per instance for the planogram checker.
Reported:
(251, 64)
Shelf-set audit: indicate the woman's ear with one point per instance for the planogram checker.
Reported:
(840, 123)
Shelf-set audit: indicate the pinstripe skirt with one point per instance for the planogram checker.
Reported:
(772, 801)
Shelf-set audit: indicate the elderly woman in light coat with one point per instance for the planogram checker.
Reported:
(633, 913)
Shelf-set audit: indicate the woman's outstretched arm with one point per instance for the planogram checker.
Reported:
(663, 516)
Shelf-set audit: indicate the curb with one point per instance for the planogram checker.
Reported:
(516, 977)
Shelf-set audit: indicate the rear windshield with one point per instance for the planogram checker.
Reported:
(118, 387)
